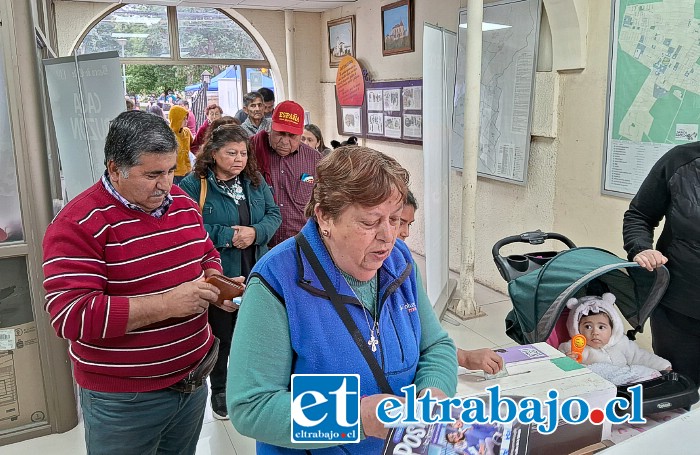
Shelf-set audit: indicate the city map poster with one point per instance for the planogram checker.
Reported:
(511, 29)
(654, 92)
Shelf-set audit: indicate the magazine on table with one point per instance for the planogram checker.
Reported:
(513, 438)
(458, 438)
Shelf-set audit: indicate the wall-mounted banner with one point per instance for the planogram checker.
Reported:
(349, 83)
(86, 93)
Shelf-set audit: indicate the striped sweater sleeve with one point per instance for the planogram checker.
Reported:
(75, 282)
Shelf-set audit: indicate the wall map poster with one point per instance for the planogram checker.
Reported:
(654, 92)
(510, 32)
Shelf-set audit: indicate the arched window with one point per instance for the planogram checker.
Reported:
(176, 45)
(145, 31)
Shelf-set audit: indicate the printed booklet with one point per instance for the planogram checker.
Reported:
(520, 353)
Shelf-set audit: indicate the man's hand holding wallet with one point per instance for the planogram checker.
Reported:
(229, 289)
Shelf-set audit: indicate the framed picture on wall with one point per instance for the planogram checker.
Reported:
(341, 39)
(397, 28)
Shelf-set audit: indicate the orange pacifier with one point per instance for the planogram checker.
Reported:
(578, 342)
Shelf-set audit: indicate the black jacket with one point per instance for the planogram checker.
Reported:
(671, 191)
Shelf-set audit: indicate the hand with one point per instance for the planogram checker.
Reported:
(228, 306)
(243, 236)
(480, 359)
(368, 413)
(210, 272)
(573, 356)
(232, 305)
(650, 259)
(189, 298)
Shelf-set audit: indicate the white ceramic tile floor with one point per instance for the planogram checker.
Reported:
(220, 438)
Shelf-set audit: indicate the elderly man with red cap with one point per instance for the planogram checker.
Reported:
(288, 165)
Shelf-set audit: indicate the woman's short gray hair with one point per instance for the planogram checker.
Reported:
(355, 175)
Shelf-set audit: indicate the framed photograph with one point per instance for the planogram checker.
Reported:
(397, 28)
(341, 39)
(351, 120)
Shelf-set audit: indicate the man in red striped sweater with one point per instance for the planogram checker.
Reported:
(124, 267)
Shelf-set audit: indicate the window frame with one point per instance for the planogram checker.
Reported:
(173, 36)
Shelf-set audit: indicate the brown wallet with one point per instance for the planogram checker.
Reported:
(228, 289)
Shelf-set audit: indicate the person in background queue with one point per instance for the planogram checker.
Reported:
(288, 165)
(475, 359)
(240, 217)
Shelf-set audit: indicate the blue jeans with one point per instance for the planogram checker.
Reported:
(144, 423)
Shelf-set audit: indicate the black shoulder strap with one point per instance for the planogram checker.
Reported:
(344, 315)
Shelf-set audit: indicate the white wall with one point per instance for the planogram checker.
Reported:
(563, 189)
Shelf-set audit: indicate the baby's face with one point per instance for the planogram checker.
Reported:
(596, 328)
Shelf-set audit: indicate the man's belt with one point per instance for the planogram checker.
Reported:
(197, 377)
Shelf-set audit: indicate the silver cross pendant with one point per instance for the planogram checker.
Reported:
(373, 341)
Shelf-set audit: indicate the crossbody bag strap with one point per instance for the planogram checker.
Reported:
(344, 314)
(202, 194)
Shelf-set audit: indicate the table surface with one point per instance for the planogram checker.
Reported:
(536, 377)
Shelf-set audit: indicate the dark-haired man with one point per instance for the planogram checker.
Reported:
(124, 267)
(268, 97)
(253, 105)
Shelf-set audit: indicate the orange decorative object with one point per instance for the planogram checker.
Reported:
(349, 83)
(578, 342)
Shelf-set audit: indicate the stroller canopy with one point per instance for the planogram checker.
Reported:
(540, 296)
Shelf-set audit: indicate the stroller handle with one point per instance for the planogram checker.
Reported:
(533, 238)
(517, 265)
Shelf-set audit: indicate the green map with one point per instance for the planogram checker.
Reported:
(655, 96)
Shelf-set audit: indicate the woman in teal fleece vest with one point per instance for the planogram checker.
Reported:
(240, 217)
(288, 325)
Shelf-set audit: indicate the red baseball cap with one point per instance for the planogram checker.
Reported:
(288, 117)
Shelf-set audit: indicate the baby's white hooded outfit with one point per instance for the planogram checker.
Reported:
(620, 350)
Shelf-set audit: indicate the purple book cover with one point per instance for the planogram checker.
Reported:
(521, 353)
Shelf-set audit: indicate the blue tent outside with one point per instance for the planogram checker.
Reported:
(232, 72)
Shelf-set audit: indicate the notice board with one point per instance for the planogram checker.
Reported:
(391, 111)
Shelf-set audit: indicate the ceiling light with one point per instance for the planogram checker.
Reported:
(488, 26)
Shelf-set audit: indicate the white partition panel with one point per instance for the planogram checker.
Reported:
(439, 66)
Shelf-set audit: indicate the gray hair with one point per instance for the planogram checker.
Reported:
(134, 133)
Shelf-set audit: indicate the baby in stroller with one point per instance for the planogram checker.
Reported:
(608, 351)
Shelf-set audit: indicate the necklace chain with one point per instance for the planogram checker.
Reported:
(374, 328)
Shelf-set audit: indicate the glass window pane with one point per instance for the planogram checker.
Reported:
(10, 215)
(258, 78)
(133, 31)
(208, 33)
